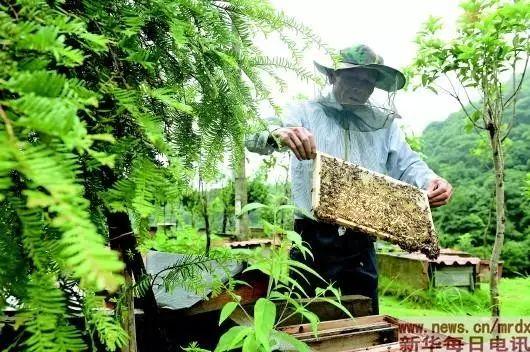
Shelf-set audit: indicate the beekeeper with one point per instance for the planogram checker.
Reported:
(345, 123)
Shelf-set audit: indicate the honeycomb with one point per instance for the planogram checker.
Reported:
(373, 204)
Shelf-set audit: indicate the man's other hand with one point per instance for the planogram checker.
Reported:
(439, 192)
(299, 140)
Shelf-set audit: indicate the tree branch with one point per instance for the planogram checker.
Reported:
(454, 94)
(514, 93)
(8, 123)
(180, 266)
(467, 95)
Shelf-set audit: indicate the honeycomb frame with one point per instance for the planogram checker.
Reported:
(374, 204)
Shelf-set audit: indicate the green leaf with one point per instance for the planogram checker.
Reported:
(302, 276)
(262, 266)
(96, 42)
(194, 347)
(336, 304)
(178, 29)
(335, 292)
(251, 206)
(295, 284)
(475, 116)
(250, 344)
(294, 237)
(226, 311)
(264, 316)
(432, 89)
(306, 268)
(313, 319)
(468, 127)
(102, 137)
(270, 229)
(228, 59)
(278, 296)
(287, 207)
(296, 209)
(110, 330)
(233, 338)
(291, 341)
(102, 157)
(307, 251)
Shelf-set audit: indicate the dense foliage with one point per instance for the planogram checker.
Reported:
(463, 158)
(105, 108)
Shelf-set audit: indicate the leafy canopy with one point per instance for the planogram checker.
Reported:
(107, 107)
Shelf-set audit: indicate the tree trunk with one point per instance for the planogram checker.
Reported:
(240, 190)
(128, 318)
(225, 218)
(286, 190)
(498, 162)
(206, 217)
(123, 240)
(205, 214)
(240, 184)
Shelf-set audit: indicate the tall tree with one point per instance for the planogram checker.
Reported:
(240, 192)
(105, 106)
(492, 37)
(465, 159)
(227, 197)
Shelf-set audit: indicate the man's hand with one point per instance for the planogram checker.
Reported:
(439, 192)
(299, 140)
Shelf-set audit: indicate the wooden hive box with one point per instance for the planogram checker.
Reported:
(374, 333)
(483, 270)
(372, 203)
(346, 335)
(416, 270)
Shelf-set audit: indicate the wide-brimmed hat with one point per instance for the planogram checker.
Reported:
(360, 56)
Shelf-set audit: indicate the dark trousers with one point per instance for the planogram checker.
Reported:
(348, 260)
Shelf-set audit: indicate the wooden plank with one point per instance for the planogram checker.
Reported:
(343, 330)
(374, 204)
(340, 323)
(347, 335)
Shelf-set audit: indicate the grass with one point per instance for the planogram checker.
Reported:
(402, 301)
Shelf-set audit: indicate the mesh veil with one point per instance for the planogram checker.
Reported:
(376, 114)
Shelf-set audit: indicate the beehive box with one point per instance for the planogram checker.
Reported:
(373, 333)
(415, 270)
(367, 333)
(374, 204)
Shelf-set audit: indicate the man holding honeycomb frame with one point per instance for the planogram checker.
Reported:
(345, 123)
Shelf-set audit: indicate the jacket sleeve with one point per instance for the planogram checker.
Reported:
(405, 164)
(263, 142)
